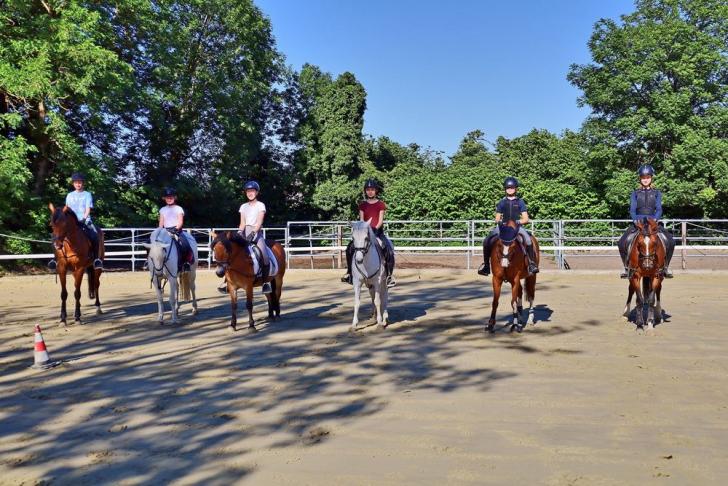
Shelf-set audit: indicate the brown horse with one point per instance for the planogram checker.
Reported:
(646, 264)
(234, 262)
(509, 263)
(73, 253)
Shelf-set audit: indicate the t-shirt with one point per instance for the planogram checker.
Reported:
(78, 202)
(250, 212)
(170, 215)
(371, 210)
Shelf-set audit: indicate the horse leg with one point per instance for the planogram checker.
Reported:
(372, 297)
(630, 293)
(357, 301)
(249, 305)
(658, 306)
(277, 293)
(97, 284)
(173, 299)
(193, 276)
(497, 283)
(379, 302)
(637, 289)
(515, 295)
(654, 282)
(519, 305)
(64, 295)
(384, 297)
(233, 305)
(160, 299)
(530, 295)
(77, 281)
(269, 297)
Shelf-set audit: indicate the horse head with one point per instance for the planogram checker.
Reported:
(221, 251)
(647, 245)
(159, 246)
(63, 223)
(507, 234)
(361, 234)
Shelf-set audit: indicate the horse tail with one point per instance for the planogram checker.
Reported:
(91, 282)
(185, 285)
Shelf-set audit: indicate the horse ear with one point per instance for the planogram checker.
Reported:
(213, 234)
(146, 245)
(51, 207)
(369, 221)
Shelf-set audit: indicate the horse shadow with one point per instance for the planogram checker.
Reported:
(663, 319)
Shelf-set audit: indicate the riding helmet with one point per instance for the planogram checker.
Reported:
(78, 176)
(646, 170)
(510, 182)
(252, 185)
(169, 191)
(372, 183)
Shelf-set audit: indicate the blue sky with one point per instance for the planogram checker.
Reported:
(435, 70)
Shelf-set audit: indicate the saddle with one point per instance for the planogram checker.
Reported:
(257, 258)
(385, 254)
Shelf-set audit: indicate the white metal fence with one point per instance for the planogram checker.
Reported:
(310, 241)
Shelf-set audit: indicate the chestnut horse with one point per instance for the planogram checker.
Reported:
(232, 255)
(646, 262)
(509, 263)
(73, 253)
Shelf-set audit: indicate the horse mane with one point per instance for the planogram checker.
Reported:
(58, 212)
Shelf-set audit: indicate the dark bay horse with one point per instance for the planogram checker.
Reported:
(73, 253)
(646, 262)
(231, 253)
(509, 263)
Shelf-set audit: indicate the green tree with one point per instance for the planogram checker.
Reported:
(658, 86)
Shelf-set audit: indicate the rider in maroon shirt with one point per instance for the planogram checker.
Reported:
(373, 208)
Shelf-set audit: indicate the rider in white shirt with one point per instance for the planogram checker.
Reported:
(252, 214)
(81, 202)
(172, 217)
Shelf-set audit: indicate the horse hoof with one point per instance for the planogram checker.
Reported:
(77, 321)
(62, 324)
(519, 328)
(352, 329)
(99, 311)
(161, 323)
(233, 327)
(380, 327)
(194, 311)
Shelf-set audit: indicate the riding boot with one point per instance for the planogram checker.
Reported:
(670, 249)
(222, 288)
(52, 264)
(484, 268)
(389, 264)
(98, 264)
(531, 254)
(265, 270)
(349, 257)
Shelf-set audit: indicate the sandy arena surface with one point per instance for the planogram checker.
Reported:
(579, 398)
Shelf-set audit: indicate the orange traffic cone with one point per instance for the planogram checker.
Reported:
(42, 360)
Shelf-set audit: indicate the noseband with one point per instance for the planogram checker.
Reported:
(364, 249)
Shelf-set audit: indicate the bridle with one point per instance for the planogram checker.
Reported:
(159, 272)
(364, 250)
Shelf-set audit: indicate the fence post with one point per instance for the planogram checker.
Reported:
(287, 236)
(310, 243)
(133, 248)
(209, 251)
(561, 244)
(469, 242)
(339, 243)
(684, 241)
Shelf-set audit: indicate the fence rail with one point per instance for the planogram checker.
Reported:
(314, 240)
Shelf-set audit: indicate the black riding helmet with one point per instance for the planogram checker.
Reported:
(373, 183)
(646, 170)
(169, 191)
(510, 182)
(78, 176)
(252, 185)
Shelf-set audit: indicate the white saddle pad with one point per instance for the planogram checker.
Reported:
(271, 258)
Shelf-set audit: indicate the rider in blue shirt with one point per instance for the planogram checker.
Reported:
(81, 202)
(510, 208)
(645, 202)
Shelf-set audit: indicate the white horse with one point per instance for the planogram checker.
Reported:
(368, 267)
(162, 262)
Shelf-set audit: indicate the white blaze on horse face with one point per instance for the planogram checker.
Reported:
(504, 260)
(647, 263)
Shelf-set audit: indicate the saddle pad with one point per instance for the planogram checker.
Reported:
(271, 258)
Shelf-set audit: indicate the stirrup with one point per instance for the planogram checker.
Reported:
(223, 288)
(667, 273)
(52, 265)
(391, 282)
(625, 274)
(98, 264)
(347, 279)
(483, 270)
(267, 289)
(532, 269)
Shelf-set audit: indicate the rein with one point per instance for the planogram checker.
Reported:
(161, 269)
(365, 249)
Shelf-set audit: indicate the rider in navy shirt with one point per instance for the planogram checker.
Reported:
(645, 202)
(510, 208)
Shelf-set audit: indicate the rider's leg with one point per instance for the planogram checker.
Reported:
(669, 249)
(624, 243)
(530, 250)
(185, 251)
(265, 264)
(389, 260)
(487, 246)
(349, 257)
(93, 236)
